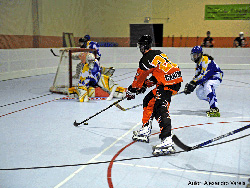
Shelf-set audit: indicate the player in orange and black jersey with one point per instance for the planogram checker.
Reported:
(167, 78)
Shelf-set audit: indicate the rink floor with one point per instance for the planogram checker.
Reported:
(37, 133)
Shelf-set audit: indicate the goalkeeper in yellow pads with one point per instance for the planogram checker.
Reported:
(92, 76)
(89, 77)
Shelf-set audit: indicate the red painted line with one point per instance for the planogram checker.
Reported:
(109, 174)
(25, 108)
(109, 178)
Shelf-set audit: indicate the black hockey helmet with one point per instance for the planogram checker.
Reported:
(82, 40)
(145, 43)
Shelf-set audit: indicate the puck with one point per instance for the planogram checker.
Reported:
(85, 123)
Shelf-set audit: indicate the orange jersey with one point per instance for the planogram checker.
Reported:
(157, 63)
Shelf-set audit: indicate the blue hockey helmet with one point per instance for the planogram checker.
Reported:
(196, 53)
(87, 37)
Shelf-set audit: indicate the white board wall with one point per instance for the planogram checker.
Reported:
(16, 63)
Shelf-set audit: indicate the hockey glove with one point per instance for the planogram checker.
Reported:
(130, 94)
(142, 90)
(190, 87)
(149, 83)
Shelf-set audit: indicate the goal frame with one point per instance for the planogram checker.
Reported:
(70, 51)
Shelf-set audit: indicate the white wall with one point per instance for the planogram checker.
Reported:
(16, 63)
(226, 58)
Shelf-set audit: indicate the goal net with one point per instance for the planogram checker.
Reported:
(66, 75)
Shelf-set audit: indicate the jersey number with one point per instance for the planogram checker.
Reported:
(164, 64)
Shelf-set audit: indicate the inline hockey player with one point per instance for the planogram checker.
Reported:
(86, 43)
(208, 76)
(167, 78)
(89, 77)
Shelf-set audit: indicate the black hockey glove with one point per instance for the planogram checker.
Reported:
(130, 94)
(190, 87)
(142, 90)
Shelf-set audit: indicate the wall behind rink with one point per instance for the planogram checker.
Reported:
(16, 63)
(41, 23)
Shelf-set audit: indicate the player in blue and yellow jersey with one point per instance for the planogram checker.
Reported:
(208, 76)
(86, 43)
(166, 76)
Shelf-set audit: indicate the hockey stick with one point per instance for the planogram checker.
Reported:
(117, 160)
(77, 124)
(54, 53)
(125, 109)
(187, 148)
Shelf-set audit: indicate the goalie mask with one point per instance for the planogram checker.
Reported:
(196, 53)
(90, 60)
(144, 43)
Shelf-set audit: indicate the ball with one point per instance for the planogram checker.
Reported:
(85, 123)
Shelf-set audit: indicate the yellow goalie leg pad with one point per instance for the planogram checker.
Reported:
(91, 92)
(82, 93)
(105, 82)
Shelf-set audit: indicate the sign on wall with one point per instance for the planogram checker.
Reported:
(227, 12)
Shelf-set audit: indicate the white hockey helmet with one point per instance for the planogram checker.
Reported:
(90, 59)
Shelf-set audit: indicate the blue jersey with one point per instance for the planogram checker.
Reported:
(90, 77)
(207, 69)
(94, 45)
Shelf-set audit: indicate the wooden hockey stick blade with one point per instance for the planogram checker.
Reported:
(180, 143)
(54, 53)
(120, 107)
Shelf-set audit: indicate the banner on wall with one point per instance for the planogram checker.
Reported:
(227, 12)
